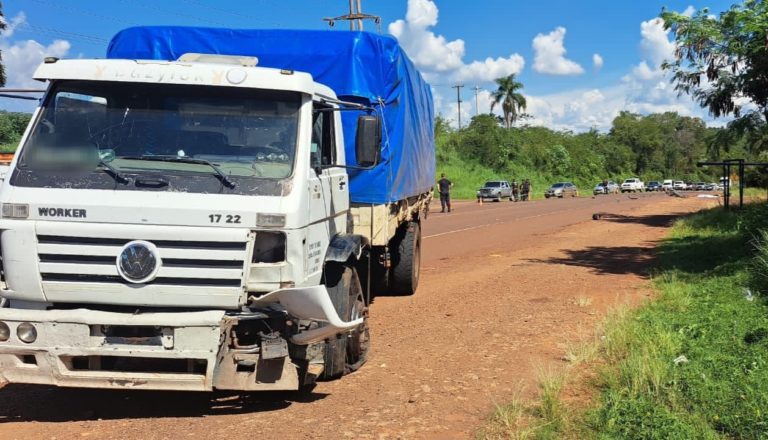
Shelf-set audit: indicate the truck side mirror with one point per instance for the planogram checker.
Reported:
(368, 140)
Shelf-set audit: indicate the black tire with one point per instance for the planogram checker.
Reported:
(348, 351)
(406, 260)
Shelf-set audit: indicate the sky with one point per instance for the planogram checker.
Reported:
(581, 62)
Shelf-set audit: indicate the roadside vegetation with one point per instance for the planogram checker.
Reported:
(653, 147)
(692, 363)
(12, 126)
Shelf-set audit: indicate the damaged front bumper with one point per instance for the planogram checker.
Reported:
(194, 351)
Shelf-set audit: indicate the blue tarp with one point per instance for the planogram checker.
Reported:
(358, 66)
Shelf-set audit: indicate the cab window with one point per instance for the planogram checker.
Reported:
(323, 149)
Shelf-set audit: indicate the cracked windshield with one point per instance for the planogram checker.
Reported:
(173, 130)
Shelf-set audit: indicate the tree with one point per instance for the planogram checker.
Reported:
(722, 60)
(2, 28)
(512, 102)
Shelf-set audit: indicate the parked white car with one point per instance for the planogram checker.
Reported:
(679, 185)
(634, 185)
(666, 185)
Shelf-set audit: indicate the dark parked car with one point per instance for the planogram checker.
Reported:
(653, 186)
(562, 189)
(495, 190)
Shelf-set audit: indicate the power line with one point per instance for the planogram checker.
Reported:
(176, 13)
(83, 12)
(26, 27)
(229, 12)
(458, 100)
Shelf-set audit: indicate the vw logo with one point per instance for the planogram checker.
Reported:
(138, 262)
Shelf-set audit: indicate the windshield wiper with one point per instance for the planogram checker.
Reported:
(112, 171)
(176, 159)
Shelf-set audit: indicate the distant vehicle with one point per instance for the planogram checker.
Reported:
(496, 190)
(653, 186)
(632, 185)
(679, 185)
(699, 186)
(562, 189)
(611, 188)
(666, 185)
(710, 186)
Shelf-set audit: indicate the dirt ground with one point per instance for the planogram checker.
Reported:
(504, 290)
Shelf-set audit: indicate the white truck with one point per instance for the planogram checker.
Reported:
(632, 185)
(208, 223)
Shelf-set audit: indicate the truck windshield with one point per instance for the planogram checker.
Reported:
(492, 184)
(247, 134)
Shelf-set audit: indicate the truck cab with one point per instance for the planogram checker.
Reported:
(191, 215)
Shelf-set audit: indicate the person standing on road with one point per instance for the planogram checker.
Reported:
(515, 190)
(444, 187)
(526, 189)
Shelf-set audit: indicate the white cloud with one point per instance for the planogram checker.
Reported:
(10, 26)
(645, 88)
(655, 44)
(435, 55)
(549, 54)
(490, 69)
(21, 58)
(597, 61)
(689, 11)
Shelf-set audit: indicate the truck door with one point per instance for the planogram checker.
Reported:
(329, 185)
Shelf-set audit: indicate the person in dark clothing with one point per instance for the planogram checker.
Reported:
(526, 190)
(444, 187)
(515, 191)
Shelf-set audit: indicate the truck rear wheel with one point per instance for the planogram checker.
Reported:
(407, 261)
(349, 351)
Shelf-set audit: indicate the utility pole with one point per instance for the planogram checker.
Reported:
(477, 106)
(458, 100)
(355, 17)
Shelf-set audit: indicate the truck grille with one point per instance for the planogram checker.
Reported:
(184, 262)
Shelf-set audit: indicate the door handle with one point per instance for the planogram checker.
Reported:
(341, 185)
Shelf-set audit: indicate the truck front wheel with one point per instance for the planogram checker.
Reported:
(349, 351)
(406, 261)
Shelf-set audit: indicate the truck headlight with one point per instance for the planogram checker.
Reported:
(26, 332)
(15, 210)
(5, 332)
(268, 247)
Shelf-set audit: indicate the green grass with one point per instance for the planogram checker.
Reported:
(9, 147)
(692, 363)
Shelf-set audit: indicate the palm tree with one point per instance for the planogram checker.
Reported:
(512, 102)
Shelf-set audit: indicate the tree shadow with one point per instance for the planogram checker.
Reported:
(618, 260)
(689, 256)
(50, 404)
(654, 220)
